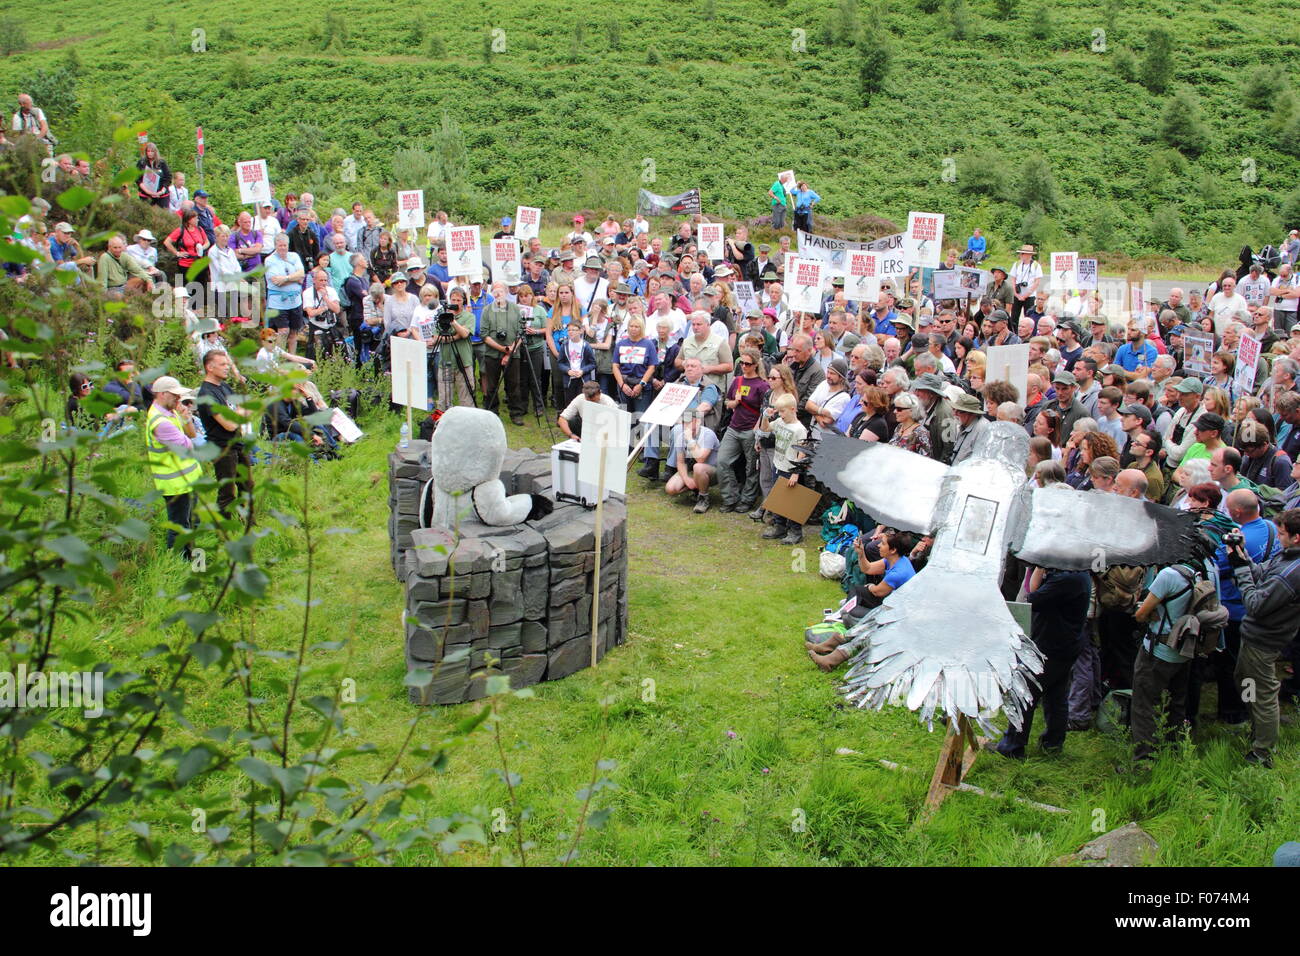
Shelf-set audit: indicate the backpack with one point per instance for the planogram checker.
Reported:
(1195, 633)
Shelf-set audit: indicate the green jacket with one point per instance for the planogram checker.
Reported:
(113, 272)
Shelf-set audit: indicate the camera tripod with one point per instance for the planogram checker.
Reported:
(534, 385)
(449, 339)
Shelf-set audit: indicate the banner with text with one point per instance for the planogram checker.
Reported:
(804, 278)
(464, 253)
(832, 253)
(924, 246)
(649, 204)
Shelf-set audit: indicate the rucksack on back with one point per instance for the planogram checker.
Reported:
(1196, 633)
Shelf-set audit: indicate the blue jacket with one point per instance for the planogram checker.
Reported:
(1261, 544)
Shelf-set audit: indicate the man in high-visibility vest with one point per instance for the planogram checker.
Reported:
(168, 441)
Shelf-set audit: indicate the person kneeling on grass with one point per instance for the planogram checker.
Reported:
(694, 456)
(570, 420)
(786, 431)
(894, 568)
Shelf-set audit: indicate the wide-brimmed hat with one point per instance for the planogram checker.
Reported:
(1026, 248)
(415, 262)
(622, 289)
(142, 234)
(968, 403)
(593, 262)
(999, 269)
(929, 382)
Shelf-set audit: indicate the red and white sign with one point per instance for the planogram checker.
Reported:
(464, 251)
(862, 279)
(1065, 271)
(528, 222)
(198, 136)
(711, 236)
(924, 239)
(410, 209)
(804, 278)
(667, 408)
(254, 182)
(1243, 374)
(505, 261)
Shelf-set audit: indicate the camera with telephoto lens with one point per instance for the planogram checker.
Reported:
(1234, 539)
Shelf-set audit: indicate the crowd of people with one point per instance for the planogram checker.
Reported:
(1113, 404)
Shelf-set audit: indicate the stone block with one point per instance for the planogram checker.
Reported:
(564, 659)
(433, 643)
(432, 549)
(472, 586)
(532, 637)
(434, 614)
(539, 560)
(505, 635)
(406, 498)
(526, 670)
(561, 626)
(450, 682)
(571, 536)
(561, 573)
(582, 608)
(568, 590)
(511, 652)
(507, 602)
(479, 618)
(472, 555)
(535, 590)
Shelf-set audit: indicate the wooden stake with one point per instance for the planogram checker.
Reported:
(600, 533)
(960, 748)
(410, 430)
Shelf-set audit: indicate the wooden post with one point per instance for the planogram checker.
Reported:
(600, 533)
(960, 748)
(410, 430)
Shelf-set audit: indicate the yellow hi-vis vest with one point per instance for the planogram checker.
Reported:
(172, 474)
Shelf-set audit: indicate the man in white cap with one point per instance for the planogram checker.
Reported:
(144, 251)
(169, 443)
(268, 224)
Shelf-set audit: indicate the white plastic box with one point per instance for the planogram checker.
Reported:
(564, 475)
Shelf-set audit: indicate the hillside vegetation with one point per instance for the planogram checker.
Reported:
(1070, 124)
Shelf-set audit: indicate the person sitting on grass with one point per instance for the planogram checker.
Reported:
(781, 420)
(693, 458)
(893, 567)
(570, 420)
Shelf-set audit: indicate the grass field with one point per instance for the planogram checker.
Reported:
(575, 112)
(726, 739)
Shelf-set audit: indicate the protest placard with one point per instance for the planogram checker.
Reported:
(711, 235)
(254, 181)
(348, 431)
(947, 285)
(924, 239)
(605, 433)
(1065, 271)
(804, 278)
(745, 297)
(1198, 347)
(505, 261)
(1243, 375)
(862, 284)
(410, 372)
(833, 252)
(528, 222)
(673, 399)
(410, 209)
(1087, 273)
(464, 254)
(787, 180)
(1008, 363)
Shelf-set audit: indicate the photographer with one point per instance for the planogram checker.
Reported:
(502, 326)
(1271, 595)
(455, 353)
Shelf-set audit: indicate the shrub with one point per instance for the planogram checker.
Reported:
(1034, 227)
(238, 73)
(1262, 85)
(651, 57)
(1103, 229)
(1040, 23)
(1158, 61)
(846, 27)
(1126, 65)
(1037, 185)
(54, 91)
(13, 36)
(958, 19)
(614, 33)
(873, 64)
(437, 49)
(928, 6)
(1006, 8)
(1167, 231)
(1181, 125)
(983, 174)
(1290, 211)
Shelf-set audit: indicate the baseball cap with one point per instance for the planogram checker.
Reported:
(579, 218)
(1179, 329)
(166, 383)
(267, 204)
(712, 290)
(507, 221)
(201, 192)
(64, 227)
(641, 264)
(1209, 422)
(608, 241)
(1190, 386)
(1141, 411)
(1064, 378)
(999, 315)
(1112, 369)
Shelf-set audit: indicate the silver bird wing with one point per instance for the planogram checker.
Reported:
(898, 488)
(944, 643)
(1058, 527)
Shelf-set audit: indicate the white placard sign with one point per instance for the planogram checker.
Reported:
(413, 355)
(410, 209)
(528, 222)
(833, 251)
(711, 236)
(667, 408)
(787, 180)
(745, 297)
(1008, 363)
(947, 285)
(464, 253)
(804, 278)
(862, 284)
(924, 239)
(1243, 376)
(505, 261)
(1197, 349)
(1087, 269)
(605, 431)
(1065, 271)
(254, 181)
(345, 426)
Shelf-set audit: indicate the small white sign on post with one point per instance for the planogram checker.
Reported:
(505, 261)
(862, 281)
(1087, 269)
(464, 252)
(804, 278)
(1243, 375)
(1008, 363)
(410, 209)
(787, 180)
(528, 222)
(1065, 271)
(924, 240)
(410, 372)
(711, 237)
(606, 432)
(667, 408)
(254, 181)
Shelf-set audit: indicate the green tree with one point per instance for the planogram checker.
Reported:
(1034, 227)
(1126, 64)
(928, 6)
(1290, 211)
(959, 21)
(847, 26)
(54, 90)
(437, 49)
(1262, 86)
(1158, 61)
(1167, 231)
(1040, 22)
(1181, 125)
(614, 33)
(873, 64)
(1037, 185)
(983, 173)
(238, 72)
(1103, 228)
(13, 36)
(486, 49)
(651, 57)
(1006, 8)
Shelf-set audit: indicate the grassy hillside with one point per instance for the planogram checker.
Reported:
(715, 96)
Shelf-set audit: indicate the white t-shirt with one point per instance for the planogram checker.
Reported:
(310, 300)
(270, 228)
(1227, 308)
(1025, 274)
(1283, 305)
(437, 231)
(1254, 290)
(578, 407)
(587, 292)
(832, 405)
